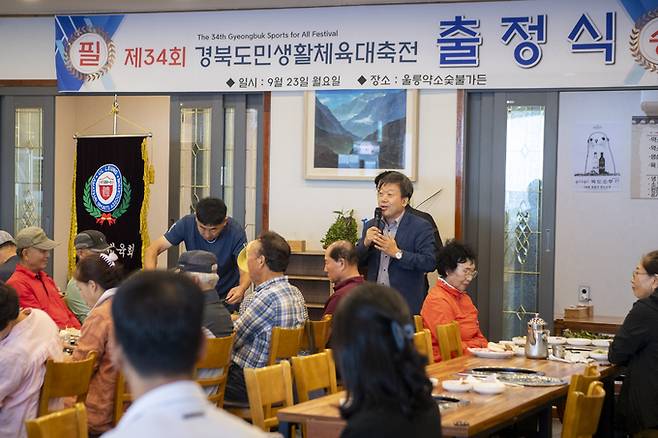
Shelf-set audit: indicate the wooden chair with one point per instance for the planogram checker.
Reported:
(265, 387)
(423, 343)
(581, 417)
(66, 379)
(450, 340)
(285, 343)
(313, 373)
(122, 397)
(418, 323)
(217, 359)
(580, 383)
(316, 335)
(67, 423)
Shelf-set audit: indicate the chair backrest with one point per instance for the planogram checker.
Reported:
(265, 387)
(314, 372)
(122, 397)
(581, 382)
(418, 323)
(67, 423)
(450, 340)
(285, 343)
(581, 416)
(316, 335)
(66, 379)
(423, 343)
(211, 371)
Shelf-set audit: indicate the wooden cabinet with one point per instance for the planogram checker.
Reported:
(306, 271)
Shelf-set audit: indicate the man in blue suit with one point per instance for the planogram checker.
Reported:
(401, 249)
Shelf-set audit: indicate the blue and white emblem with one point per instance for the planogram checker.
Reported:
(107, 187)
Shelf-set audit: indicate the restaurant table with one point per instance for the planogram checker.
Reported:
(595, 324)
(484, 414)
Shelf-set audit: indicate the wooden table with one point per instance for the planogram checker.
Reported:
(484, 414)
(594, 324)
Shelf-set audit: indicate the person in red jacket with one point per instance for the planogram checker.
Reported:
(448, 301)
(34, 287)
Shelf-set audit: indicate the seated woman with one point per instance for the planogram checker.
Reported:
(636, 347)
(388, 392)
(448, 301)
(97, 276)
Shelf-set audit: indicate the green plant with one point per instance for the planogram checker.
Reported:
(343, 228)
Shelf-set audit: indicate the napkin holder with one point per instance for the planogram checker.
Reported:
(580, 311)
(297, 245)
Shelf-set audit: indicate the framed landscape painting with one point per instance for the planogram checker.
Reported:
(356, 134)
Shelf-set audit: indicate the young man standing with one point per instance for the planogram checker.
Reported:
(209, 229)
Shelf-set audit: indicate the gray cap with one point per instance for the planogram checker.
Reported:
(91, 239)
(197, 261)
(5, 237)
(34, 237)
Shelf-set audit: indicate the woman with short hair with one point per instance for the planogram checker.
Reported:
(636, 347)
(448, 301)
(388, 392)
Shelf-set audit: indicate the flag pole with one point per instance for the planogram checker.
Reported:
(115, 113)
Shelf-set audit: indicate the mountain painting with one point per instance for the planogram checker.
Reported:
(362, 129)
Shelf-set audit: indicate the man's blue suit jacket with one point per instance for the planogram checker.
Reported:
(416, 240)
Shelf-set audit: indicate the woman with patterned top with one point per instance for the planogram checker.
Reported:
(97, 276)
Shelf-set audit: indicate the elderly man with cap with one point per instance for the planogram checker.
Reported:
(201, 266)
(8, 257)
(34, 287)
(86, 243)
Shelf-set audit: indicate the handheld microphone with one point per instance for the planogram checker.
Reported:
(378, 218)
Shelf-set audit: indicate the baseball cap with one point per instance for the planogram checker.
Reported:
(34, 237)
(5, 237)
(197, 261)
(91, 239)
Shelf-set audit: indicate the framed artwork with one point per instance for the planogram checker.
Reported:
(356, 134)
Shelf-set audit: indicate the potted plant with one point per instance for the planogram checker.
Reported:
(343, 228)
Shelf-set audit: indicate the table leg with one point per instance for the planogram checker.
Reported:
(545, 422)
(606, 421)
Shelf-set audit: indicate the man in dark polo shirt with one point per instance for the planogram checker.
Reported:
(209, 229)
(341, 263)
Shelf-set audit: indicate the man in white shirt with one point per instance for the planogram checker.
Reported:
(157, 321)
(28, 338)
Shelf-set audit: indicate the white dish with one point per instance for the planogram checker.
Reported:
(519, 351)
(557, 340)
(599, 357)
(519, 340)
(488, 387)
(434, 381)
(488, 354)
(456, 385)
(601, 342)
(578, 341)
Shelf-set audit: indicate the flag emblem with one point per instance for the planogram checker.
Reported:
(107, 194)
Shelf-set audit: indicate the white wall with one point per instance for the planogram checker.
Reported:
(599, 236)
(74, 114)
(27, 48)
(302, 209)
